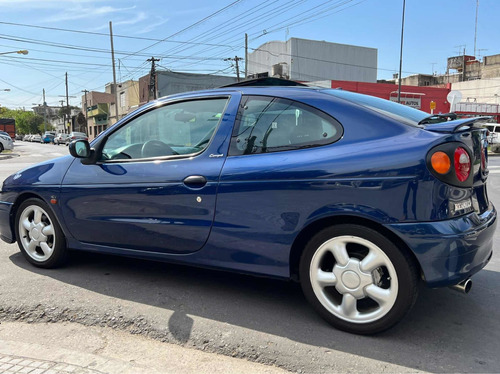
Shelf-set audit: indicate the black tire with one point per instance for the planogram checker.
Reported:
(42, 243)
(343, 290)
(1, 147)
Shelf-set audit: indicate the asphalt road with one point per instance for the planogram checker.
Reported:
(262, 320)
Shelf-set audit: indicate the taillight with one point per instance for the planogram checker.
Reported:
(440, 162)
(451, 163)
(462, 164)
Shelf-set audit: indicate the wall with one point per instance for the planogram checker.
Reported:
(482, 91)
(170, 83)
(316, 60)
(313, 60)
(385, 91)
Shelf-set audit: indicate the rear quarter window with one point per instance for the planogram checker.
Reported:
(269, 124)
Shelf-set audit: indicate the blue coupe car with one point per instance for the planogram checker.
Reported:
(357, 198)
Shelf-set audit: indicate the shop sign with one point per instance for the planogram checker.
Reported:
(414, 102)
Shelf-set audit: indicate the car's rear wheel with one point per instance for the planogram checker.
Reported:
(357, 279)
(1, 147)
(39, 235)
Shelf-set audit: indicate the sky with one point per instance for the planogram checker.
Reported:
(72, 36)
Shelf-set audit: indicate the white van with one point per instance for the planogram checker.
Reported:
(493, 136)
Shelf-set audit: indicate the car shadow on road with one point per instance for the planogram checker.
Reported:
(445, 332)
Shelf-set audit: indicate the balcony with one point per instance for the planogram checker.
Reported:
(99, 110)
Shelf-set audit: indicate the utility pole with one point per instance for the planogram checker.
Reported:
(114, 71)
(236, 59)
(152, 79)
(64, 116)
(86, 118)
(401, 52)
(246, 56)
(463, 68)
(475, 29)
(67, 104)
(44, 113)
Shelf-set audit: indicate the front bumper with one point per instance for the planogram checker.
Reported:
(6, 205)
(452, 250)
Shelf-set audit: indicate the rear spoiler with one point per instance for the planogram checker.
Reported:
(463, 124)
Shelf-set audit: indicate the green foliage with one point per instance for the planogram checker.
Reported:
(26, 122)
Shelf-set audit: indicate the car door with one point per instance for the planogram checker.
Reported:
(154, 185)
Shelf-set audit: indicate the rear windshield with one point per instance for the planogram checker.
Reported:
(392, 109)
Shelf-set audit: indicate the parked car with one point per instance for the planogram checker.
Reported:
(47, 138)
(61, 139)
(36, 138)
(6, 142)
(493, 136)
(75, 136)
(357, 198)
(5, 133)
(26, 137)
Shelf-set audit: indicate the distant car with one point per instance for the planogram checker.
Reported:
(5, 133)
(26, 137)
(19, 137)
(47, 138)
(76, 136)
(61, 139)
(36, 138)
(493, 136)
(6, 142)
(359, 199)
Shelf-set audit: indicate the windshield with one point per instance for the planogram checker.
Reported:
(391, 108)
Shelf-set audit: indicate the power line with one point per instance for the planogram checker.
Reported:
(107, 35)
(187, 28)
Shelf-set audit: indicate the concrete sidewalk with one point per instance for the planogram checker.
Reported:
(59, 348)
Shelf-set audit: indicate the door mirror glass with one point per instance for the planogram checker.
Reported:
(79, 149)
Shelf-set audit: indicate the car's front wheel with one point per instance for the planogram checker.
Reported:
(357, 279)
(39, 236)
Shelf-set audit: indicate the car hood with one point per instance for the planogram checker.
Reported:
(49, 172)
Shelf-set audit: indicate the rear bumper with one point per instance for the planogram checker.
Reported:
(8, 145)
(452, 250)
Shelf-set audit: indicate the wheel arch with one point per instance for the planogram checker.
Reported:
(20, 199)
(314, 227)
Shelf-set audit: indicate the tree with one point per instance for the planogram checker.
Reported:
(26, 122)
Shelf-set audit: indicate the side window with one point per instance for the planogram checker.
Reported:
(267, 124)
(182, 128)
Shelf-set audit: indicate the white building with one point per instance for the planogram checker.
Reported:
(313, 60)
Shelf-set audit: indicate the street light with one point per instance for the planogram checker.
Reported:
(21, 52)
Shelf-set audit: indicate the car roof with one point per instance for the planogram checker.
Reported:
(284, 91)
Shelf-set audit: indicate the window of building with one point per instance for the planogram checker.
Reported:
(122, 99)
(268, 124)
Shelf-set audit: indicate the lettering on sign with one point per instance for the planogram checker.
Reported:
(414, 102)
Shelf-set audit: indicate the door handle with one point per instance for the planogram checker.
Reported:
(195, 181)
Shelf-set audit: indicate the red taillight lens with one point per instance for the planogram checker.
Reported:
(462, 164)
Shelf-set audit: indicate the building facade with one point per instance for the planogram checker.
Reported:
(313, 60)
(100, 106)
(171, 82)
(416, 97)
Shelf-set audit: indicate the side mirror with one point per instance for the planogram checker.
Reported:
(80, 149)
